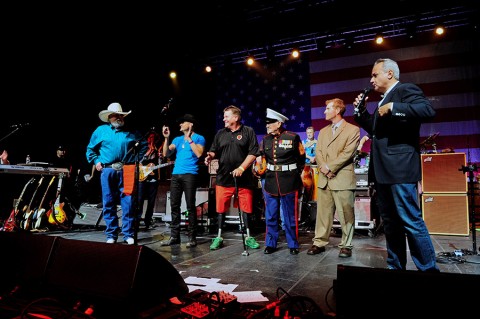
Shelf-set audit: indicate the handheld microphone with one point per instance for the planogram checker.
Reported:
(19, 125)
(361, 104)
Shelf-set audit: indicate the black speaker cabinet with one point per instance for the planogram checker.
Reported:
(119, 280)
(113, 274)
(446, 214)
(24, 259)
(442, 173)
(363, 292)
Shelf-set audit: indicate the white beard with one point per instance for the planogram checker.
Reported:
(118, 123)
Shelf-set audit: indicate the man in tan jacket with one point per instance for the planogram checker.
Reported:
(334, 155)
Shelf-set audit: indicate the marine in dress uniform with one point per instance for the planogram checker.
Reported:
(285, 157)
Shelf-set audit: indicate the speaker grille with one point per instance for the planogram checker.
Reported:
(446, 214)
(442, 173)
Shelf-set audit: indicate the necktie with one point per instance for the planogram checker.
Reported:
(334, 129)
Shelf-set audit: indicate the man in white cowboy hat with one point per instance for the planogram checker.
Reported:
(285, 157)
(188, 148)
(111, 146)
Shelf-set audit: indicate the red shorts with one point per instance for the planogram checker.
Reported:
(224, 199)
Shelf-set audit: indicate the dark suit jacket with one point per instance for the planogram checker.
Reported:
(395, 149)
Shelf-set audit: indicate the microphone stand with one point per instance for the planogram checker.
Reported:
(16, 129)
(471, 190)
(136, 219)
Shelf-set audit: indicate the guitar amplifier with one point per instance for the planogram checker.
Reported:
(200, 199)
(362, 180)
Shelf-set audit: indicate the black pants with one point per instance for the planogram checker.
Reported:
(183, 183)
(147, 191)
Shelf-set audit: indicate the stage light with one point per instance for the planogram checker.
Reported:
(208, 69)
(295, 53)
(250, 60)
(439, 29)
(173, 75)
(379, 38)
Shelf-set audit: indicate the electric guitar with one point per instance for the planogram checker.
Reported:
(260, 167)
(57, 215)
(40, 211)
(28, 211)
(11, 223)
(144, 171)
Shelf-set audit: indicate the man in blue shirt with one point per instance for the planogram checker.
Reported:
(111, 146)
(187, 148)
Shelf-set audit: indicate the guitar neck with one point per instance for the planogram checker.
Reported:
(34, 194)
(160, 166)
(22, 193)
(45, 194)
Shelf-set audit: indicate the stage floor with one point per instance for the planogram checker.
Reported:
(258, 279)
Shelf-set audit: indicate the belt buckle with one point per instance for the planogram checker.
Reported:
(117, 166)
(277, 167)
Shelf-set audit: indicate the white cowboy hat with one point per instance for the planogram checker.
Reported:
(112, 108)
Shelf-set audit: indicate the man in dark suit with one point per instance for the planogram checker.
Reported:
(334, 155)
(395, 165)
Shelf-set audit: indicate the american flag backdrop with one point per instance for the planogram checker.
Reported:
(282, 85)
(448, 72)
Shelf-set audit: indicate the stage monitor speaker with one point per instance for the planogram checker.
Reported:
(24, 259)
(446, 214)
(127, 278)
(442, 173)
(388, 293)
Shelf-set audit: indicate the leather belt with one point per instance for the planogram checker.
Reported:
(116, 166)
(281, 168)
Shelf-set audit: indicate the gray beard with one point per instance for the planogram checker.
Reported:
(118, 123)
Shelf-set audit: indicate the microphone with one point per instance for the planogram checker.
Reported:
(166, 107)
(361, 104)
(19, 125)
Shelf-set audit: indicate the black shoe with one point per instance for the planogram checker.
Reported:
(170, 242)
(294, 251)
(269, 250)
(192, 243)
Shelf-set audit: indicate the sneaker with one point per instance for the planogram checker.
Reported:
(251, 243)
(217, 242)
(130, 241)
(111, 241)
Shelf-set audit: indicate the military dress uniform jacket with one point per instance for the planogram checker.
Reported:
(281, 150)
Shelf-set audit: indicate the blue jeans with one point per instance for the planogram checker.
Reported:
(401, 215)
(112, 193)
(183, 183)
